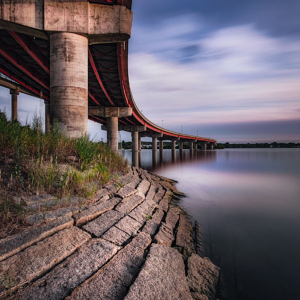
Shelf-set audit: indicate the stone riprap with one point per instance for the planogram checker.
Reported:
(128, 242)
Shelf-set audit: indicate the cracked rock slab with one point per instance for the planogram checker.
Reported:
(62, 280)
(202, 277)
(116, 236)
(36, 260)
(152, 224)
(116, 276)
(101, 224)
(95, 210)
(172, 217)
(52, 215)
(165, 235)
(128, 204)
(162, 277)
(129, 225)
(126, 191)
(143, 186)
(14, 244)
(159, 195)
(143, 211)
(151, 192)
(184, 237)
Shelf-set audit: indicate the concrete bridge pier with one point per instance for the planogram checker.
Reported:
(136, 141)
(112, 115)
(14, 103)
(69, 82)
(161, 149)
(135, 148)
(47, 116)
(211, 146)
(203, 145)
(196, 146)
(173, 150)
(191, 146)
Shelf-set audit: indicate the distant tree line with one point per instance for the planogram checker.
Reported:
(257, 145)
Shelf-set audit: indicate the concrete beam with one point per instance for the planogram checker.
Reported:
(107, 112)
(153, 135)
(13, 86)
(100, 23)
(133, 128)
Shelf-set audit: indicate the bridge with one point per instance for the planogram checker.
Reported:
(74, 55)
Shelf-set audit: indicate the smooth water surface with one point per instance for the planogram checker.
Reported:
(247, 202)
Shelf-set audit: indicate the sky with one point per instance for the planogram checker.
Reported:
(229, 70)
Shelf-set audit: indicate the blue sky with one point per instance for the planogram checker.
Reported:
(229, 69)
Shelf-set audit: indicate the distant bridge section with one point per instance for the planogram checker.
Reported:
(74, 55)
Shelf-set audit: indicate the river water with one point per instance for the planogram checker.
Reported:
(247, 202)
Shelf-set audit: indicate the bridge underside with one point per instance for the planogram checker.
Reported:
(25, 60)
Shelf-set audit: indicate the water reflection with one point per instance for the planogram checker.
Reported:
(247, 202)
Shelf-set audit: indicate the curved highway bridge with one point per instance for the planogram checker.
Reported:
(74, 55)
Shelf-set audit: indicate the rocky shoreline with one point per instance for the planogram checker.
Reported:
(132, 241)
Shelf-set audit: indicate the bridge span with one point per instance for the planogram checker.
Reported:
(74, 55)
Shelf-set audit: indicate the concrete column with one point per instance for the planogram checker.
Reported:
(14, 103)
(204, 146)
(112, 133)
(191, 145)
(47, 116)
(180, 145)
(69, 82)
(140, 143)
(196, 146)
(161, 145)
(173, 145)
(135, 148)
(211, 146)
(154, 144)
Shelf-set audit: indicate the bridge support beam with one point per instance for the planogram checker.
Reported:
(47, 116)
(211, 146)
(196, 146)
(69, 82)
(112, 115)
(181, 145)
(204, 145)
(14, 103)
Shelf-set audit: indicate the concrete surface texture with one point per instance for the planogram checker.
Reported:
(131, 242)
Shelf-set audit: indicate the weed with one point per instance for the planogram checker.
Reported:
(148, 217)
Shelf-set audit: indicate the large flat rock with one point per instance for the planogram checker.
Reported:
(133, 184)
(143, 212)
(95, 210)
(202, 277)
(64, 278)
(172, 217)
(113, 280)
(162, 277)
(36, 260)
(126, 191)
(159, 195)
(101, 224)
(184, 237)
(129, 225)
(165, 235)
(164, 204)
(143, 187)
(116, 236)
(153, 223)
(52, 215)
(151, 192)
(128, 204)
(14, 244)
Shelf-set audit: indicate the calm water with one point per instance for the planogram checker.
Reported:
(248, 205)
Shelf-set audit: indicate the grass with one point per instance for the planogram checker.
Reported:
(34, 162)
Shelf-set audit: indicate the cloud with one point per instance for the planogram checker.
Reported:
(236, 74)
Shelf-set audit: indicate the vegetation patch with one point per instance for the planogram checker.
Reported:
(33, 162)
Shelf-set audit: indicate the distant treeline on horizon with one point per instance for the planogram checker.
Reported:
(257, 145)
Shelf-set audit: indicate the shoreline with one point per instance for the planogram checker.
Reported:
(134, 241)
